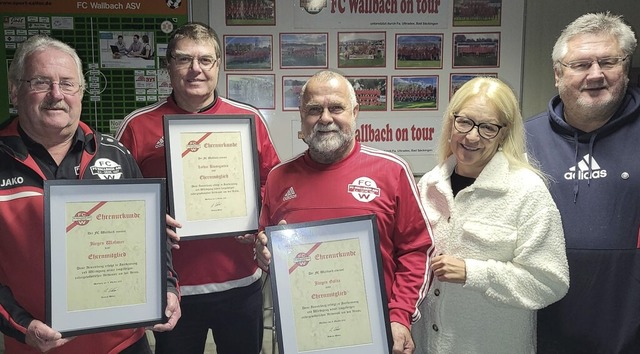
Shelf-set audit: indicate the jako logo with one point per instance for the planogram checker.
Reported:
(8, 182)
(583, 170)
(364, 189)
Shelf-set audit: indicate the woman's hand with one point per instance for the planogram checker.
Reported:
(449, 269)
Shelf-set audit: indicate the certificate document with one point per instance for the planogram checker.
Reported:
(328, 295)
(105, 254)
(328, 287)
(213, 175)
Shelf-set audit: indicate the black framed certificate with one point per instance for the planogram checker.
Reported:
(105, 254)
(328, 288)
(213, 175)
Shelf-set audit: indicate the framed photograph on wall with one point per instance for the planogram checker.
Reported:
(477, 13)
(362, 49)
(116, 50)
(371, 92)
(256, 90)
(250, 13)
(457, 80)
(303, 50)
(248, 52)
(413, 93)
(291, 88)
(419, 51)
(476, 50)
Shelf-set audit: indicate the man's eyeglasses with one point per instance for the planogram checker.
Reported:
(316, 111)
(465, 125)
(39, 84)
(185, 61)
(604, 63)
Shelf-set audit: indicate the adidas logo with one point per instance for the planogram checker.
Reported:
(289, 195)
(583, 170)
(160, 143)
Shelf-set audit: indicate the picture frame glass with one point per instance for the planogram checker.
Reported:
(105, 254)
(328, 289)
(212, 174)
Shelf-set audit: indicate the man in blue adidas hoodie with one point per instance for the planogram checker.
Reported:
(587, 142)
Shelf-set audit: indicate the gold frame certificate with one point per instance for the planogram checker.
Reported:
(105, 244)
(328, 288)
(213, 176)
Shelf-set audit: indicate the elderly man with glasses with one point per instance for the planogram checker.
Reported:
(48, 141)
(338, 177)
(219, 279)
(587, 142)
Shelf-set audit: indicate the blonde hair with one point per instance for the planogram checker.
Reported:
(500, 96)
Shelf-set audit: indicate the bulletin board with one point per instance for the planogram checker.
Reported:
(117, 82)
(405, 59)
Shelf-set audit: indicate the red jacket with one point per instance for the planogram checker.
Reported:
(368, 181)
(22, 268)
(205, 265)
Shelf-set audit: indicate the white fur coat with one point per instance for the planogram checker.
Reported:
(508, 230)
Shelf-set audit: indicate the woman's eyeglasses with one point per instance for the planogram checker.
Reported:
(465, 125)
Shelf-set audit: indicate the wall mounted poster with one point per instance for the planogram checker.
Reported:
(109, 36)
(419, 47)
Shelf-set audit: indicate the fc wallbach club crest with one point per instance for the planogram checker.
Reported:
(364, 189)
(313, 6)
(106, 169)
(173, 4)
(302, 259)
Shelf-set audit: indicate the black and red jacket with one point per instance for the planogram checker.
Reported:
(22, 268)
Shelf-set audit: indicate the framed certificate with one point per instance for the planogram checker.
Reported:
(328, 288)
(213, 176)
(105, 254)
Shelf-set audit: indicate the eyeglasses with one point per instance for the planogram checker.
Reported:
(604, 63)
(316, 111)
(40, 84)
(486, 130)
(185, 61)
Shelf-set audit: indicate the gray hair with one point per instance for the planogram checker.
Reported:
(327, 75)
(596, 23)
(35, 44)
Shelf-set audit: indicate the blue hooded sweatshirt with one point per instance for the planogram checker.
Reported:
(595, 182)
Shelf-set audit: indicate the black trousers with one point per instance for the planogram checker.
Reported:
(139, 347)
(235, 318)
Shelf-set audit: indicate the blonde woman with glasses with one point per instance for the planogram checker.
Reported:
(495, 227)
